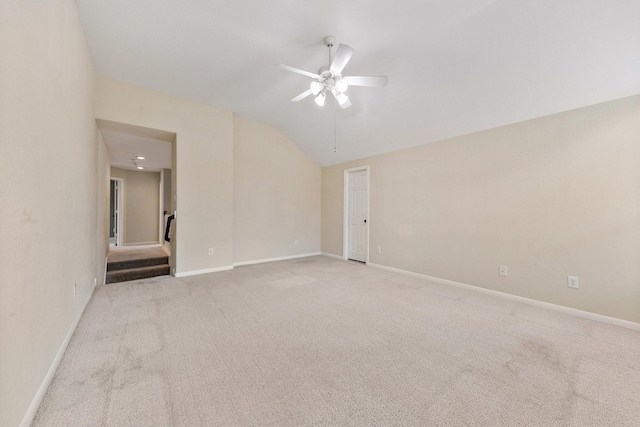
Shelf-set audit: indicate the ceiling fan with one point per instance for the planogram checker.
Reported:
(330, 79)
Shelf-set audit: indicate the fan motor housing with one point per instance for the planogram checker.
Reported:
(325, 74)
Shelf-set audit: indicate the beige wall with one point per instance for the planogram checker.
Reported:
(166, 190)
(103, 167)
(141, 205)
(547, 198)
(276, 195)
(52, 169)
(166, 206)
(203, 167)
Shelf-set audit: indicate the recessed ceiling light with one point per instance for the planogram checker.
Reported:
(140, 157)
(140, 167)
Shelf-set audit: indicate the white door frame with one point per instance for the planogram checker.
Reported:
(118, 222)
(345, 220)
(161, 209)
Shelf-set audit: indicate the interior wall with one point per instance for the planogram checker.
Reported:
(174, 206)
(50, 212)
(548, 198)
(166, 190)
(203, 169)
(166, 206)
(103, 213)
(141, 205)
(276, 195)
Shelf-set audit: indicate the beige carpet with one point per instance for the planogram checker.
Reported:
(318, 341)
(130, 253)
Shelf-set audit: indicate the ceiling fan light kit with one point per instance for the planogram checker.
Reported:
(320, 99)
(316, 87)
(340, 97)
(330, 79)
(342, 85)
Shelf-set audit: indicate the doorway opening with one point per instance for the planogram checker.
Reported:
(142, 195)
(115, 218)
(356, 214)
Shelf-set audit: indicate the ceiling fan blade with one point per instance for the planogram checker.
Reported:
(346, 104)
(299, 71)
(302, 96)
(343, 55)
(370, 81)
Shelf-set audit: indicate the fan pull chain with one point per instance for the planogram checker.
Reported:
(335, 131)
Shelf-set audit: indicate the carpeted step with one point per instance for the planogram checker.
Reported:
(137, 273)
(137, 263)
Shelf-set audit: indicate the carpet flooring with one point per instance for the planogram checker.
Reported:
(130, 253)
(318, 341)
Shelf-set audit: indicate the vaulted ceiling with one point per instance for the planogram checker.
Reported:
(454, 66)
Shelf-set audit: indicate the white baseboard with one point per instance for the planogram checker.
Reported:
(333, 256)
(205, 271)
(237, 264)
(559, 308)
(282, 258)
(141, 244)
(35, 403)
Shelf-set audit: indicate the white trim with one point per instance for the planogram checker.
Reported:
(142, 244)
(161, 208)
(282, 258)
(205, 271)
(536, 303)
(44, 385)
(332, 256)
(345, 217)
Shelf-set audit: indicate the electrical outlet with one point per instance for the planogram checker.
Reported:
(95, 282)
(296, 243)
(572, 282)
(503, 270)
(74, 289)
(210, 251)
(379, 250)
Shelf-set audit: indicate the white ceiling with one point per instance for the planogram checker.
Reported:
(454, 66)
(126, 142)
